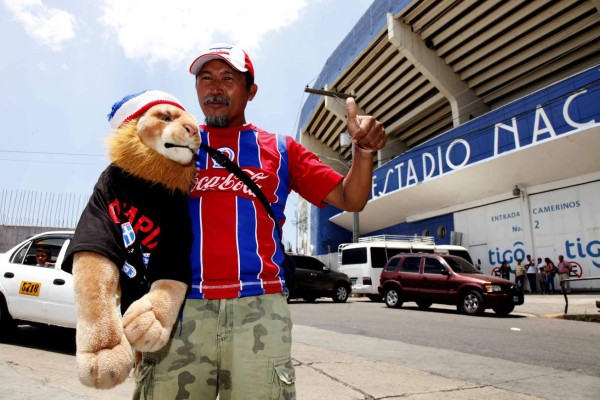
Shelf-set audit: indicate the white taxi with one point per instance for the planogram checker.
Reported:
(36, 292)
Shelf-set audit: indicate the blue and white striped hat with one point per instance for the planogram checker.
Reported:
(134, 105)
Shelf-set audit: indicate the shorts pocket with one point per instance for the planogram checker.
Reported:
(283, 379)
(143, 377)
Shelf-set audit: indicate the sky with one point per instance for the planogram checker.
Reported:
(65, 62)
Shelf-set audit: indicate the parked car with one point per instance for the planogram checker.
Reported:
(313, 279)
(445, 279)
(36, 295)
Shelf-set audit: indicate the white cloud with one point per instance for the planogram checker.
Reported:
(155, 30)
(51, 26)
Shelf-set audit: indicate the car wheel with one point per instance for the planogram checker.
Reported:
(472, 303)
(7, 324)
(392, 298)
(503, 311)
(340, 294)
(375, 298)
(424, 305)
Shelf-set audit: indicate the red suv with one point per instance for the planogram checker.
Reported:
(444, 279)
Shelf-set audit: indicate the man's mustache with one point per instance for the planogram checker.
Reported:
(216, 99)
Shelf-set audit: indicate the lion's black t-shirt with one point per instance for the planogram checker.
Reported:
(143, 228)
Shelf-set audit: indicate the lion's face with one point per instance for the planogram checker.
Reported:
(159, 147)
(170, 131)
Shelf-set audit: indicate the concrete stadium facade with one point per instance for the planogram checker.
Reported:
(493, 115)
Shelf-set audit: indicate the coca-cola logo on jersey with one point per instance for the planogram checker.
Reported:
(228, 183)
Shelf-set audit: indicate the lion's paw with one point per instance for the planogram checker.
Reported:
(143, 329)
(106, 368)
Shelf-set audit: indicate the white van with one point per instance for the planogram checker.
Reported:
(364, 261)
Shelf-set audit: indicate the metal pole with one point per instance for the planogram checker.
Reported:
(329, 93)
(355, 221)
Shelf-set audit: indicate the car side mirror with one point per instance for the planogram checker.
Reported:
(326, 268)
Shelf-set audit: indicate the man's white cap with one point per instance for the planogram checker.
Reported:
(232, 55)
(134, 105)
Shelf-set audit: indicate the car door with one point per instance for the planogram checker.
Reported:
(309, 276)
(321, 276)
(437, 282)
(409, 277)
(60, 305)
(25, 285)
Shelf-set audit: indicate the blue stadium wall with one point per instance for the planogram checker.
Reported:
(326, 236)
(554, 111)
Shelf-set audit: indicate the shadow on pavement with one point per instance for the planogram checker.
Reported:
(58, 340)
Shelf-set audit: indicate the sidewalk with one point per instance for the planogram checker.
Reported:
(553, 305)
(338, 366)
(335, 370)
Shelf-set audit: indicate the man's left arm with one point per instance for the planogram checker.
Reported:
(368, 135)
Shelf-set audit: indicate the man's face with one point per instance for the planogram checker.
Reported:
(41, 257)
(222, 94)
(560, 258)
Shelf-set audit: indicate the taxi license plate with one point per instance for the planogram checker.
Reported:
(515, 299)
(30, 288)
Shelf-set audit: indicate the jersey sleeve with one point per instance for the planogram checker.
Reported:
(309, 176)
(95, 231)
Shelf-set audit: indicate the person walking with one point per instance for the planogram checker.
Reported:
(564, 272)
(233, 337)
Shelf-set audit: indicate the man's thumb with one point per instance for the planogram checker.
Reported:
(351, 109)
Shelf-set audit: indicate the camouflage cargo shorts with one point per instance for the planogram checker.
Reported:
(234, 348)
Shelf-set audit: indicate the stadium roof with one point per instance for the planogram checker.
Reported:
(424, 67)
(488, 53)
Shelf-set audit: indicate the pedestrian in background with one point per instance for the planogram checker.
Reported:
(505, 270)
(531, 274)
(520, 271)
(542, 287)
(550, 271)
(564, 272)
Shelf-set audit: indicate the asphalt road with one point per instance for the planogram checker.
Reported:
(542, 342)
(362, 350)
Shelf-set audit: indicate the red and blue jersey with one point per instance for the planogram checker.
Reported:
(236, 251)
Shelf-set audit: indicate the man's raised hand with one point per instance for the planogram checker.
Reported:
(365, 131)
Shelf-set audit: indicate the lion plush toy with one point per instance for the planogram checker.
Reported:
(133, 240)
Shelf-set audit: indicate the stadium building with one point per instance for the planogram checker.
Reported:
(492, 109)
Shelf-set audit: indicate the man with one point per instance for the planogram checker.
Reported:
(543, 287)
(505, 270)
(531, 274)
(42, 257)
(564, 272)
(520, 273)
(233, 339)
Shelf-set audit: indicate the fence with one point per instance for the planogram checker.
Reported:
(562, 288)
(34, 208)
